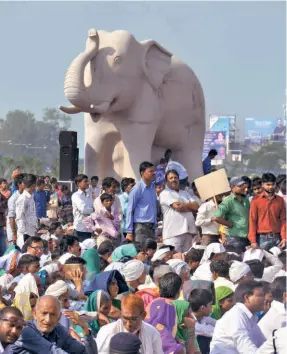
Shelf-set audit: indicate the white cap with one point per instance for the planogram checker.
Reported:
(253, 253)
(237, 270)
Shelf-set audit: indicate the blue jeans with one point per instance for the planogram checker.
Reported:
(267, 241)
(239, 243)
(3, 244)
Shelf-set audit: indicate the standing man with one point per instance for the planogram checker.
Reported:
(11, 217)
(206, 164)
(160, 171)
(41, 199)
(82, 203)
(3, 209)
(3, 188)
(177, 207)
(94, 188)
(267, 217)
(142, 208)
(233, 212)
(26, 218)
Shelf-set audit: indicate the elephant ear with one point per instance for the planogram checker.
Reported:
(156, 62)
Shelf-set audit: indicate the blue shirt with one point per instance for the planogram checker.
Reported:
(206, 164)
(142, 206)
(124, 199)
(160, 174)
(41, 200)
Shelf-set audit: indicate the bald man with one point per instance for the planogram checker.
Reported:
(45, 335)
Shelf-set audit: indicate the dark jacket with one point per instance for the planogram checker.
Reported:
(32, 341)
(3, 208)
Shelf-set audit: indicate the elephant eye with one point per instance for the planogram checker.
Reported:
(117, 60)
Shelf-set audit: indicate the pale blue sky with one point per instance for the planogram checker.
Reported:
(237, 49)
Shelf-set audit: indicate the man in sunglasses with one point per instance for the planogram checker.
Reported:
(11, 324)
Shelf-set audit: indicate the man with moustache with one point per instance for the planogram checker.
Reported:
(177, 207)
(233, 212)
(267, 217)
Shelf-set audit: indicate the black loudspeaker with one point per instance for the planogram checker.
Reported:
(69, 162)
(68, 139)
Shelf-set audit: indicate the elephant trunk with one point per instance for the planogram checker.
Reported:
(74, 87)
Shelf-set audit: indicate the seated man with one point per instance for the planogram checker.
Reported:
(11, 324)
(132, 321)
(45, 335)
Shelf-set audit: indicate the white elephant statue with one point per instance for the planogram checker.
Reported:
(139, 100)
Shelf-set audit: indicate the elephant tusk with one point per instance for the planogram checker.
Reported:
(70, 110)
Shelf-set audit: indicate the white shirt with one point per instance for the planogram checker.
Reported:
(220, 281)
(275, 318)
(237, 332)
(82, 203)
(149, 336)
(26, 219)
(11, 212)
(174, 222)
(1, 348)
(174, 165)
(205, 327)
(280, 343)
(281, 273)
(94, 192)
(271, 271)
(203, 219)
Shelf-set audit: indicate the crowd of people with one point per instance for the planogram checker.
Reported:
(142, 267)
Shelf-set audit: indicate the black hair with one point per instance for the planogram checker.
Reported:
(144, 166)
(246, 288)
(78, 178)
(138, 246)
(3, 180)
(54, 180)
(212, 152)
(169, 285)
(107, 182)
(29, 180)
(193, 255)
(106, 196)
(171, 172)
(247, 180)
(220, 267)
(40, 182)
(19, 179)
(126, 259)
(149, 244)
(10, 310)
(94, 178)
(278, 288)
(268, 177)
(256, 182)
(75, 260)
(65, 188)
(29, 242)
(54, 226)
(280, 178)
(67, 242)
(103, 264)
(45, 245)
(198, 298)
(282, 187)
(105, 247)
(27, 259)
(55, 255)
(167, 152)
(257, 268)
(231, 256)
(154, 265)
(282, 257)
(126, 182)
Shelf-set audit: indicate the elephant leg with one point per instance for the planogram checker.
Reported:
(100, 140)
(137, 141)
(191, 154)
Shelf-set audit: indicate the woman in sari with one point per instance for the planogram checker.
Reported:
(161, 314)
(112, 283)
(101, 302)
(224, 301)
(26, 302)
(92, 258)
